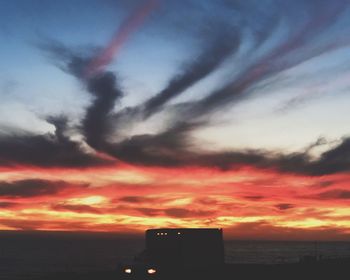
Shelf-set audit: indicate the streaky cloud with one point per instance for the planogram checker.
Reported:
(221, 47)
(290, 53)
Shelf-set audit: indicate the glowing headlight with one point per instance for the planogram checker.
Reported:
(151, 271)
(127, 270)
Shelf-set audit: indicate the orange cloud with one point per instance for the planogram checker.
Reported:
(247, 203)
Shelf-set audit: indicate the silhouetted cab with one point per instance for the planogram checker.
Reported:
(176, 251)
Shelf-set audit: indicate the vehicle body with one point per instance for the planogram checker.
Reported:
(176, 251)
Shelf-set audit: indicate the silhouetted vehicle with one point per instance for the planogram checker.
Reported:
(171, 252)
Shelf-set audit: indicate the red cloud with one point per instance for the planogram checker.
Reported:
(239, 201)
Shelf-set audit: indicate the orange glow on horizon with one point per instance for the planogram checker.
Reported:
(132, 199)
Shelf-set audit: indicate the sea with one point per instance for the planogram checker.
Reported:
(31, 255)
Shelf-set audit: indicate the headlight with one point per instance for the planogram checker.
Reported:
(151, 271)
(127, 270)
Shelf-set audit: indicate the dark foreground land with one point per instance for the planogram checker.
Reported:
(326, 269)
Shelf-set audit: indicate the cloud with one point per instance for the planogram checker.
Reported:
(47, 150)
(90, 69)
(222, 46)
(174, 212)
(333, 194)
(219, 40)
(136, 199)
(75, 208)
(42, 224)
(261, 58)
(174, 146)
(298, 101)
(102, 86)
(186, 213)
(68, 60)
(284, 206)
(33, 188)
(22, 224)
(106, 92)
(297, 49)
(207, 201)
(164, 149)
(335, 160)
(7, 204)
(254, 197)
(323, 184)
(150, 212)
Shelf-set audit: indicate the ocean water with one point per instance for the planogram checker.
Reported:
(274, 252)
(24, 256)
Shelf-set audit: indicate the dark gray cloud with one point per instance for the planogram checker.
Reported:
(103, 87)
(254, 197)
(95, 124)
(46, 150)
(334, 160)
(323, 184)
(284, 206)
(75, 208)
(69, 60)
(209, 60)
(31, 188)
(171, 149)
(136, 199)
(333, 194)
(165, 149)
(7, 204)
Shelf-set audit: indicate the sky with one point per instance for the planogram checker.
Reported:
(119, 116)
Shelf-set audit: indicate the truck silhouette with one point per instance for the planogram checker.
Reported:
(169, 252)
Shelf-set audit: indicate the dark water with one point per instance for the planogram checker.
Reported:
(273, 252)
(23, 256)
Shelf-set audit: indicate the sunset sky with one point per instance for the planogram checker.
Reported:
(125, 115)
